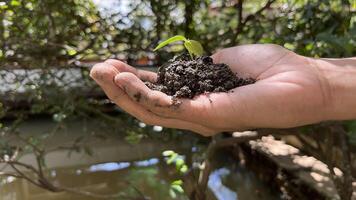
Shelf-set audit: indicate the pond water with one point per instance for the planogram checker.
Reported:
(116, 167)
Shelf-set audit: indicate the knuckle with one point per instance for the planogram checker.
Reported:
(127, 77)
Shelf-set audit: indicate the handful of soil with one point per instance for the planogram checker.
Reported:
(182, 77)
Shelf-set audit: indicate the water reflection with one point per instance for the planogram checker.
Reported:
(218, 188)
(109, 166)
(151, 177)
(145, 163)
(134, 171)
(112, 166)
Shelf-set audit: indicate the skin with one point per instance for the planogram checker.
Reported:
(291, 90)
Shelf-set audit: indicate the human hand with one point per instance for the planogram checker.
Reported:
(290, 91)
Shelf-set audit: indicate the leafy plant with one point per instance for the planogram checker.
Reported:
(194, 47)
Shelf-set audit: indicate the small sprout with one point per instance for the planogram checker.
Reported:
(194, 47)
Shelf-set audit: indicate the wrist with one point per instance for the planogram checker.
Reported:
(340, 76)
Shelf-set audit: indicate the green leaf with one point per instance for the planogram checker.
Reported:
(170, 40)
(179, 163)
(197, 48)
(177, 182)
(168, 153)
(194, 48)
(172, 158)
(183, 169)
(177, 188)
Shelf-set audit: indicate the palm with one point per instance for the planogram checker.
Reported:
(283, 77)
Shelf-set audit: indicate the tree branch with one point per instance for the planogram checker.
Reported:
(24, 176)
(241, 23)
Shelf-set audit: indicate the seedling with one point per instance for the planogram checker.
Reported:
(187, 77)
(194, 47)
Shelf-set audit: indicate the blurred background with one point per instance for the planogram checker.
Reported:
(59, 131)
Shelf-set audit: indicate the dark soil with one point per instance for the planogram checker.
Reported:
(182, 77)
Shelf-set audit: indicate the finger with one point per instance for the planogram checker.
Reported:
(142, 74)
(104, 74)
(140, 93)
(203, 109)
(160, 103)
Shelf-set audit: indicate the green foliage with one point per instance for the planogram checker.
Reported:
(147, 180)
(194, 47)
(76, 30)
(34, 36)
(176, 188)
(176, 159)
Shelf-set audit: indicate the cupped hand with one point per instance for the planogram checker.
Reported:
(290, 91)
